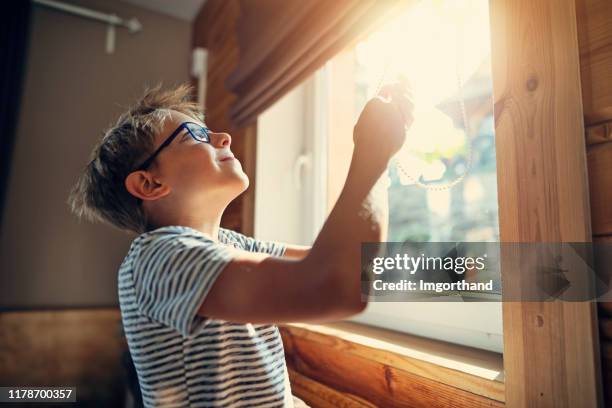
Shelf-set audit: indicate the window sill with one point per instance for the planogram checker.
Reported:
(479, 372)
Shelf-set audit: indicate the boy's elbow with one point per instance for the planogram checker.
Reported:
(337, 294)
(345, 308)
(356, 307)
(346, 294)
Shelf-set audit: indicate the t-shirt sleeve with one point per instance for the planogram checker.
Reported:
(250, 244)
(172, 276)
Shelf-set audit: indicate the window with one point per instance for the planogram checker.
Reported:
(444, 181)
(291, 186)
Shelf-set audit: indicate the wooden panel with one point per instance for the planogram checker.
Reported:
(476, 371)
(605, 330)
(551, 349)
(594, 18)
(214, 30)
(317, 395)
(606, 354)
(601, 133)
(605, 308)
(377, 383)
(600, 182)
(73, 347)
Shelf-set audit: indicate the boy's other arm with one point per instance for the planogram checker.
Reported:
(326, 283)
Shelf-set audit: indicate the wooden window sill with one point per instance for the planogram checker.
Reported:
(479, 372)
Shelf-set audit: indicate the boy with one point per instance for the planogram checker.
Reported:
(199, 303)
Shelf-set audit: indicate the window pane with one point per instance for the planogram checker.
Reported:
(445, 186)
(444, 181)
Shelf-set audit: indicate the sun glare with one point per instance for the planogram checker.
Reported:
(436, 45)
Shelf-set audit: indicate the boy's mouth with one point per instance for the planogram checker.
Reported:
(226, 158)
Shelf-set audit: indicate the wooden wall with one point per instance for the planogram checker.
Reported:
(214, 29)
(340, 369)
(595, 40)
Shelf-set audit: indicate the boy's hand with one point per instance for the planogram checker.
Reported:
(381, 128)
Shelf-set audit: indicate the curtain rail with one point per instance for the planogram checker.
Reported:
(112, 20)
(133, 25)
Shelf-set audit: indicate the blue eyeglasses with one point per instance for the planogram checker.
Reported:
(198, 132)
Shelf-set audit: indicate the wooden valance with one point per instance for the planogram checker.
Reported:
(282, 42)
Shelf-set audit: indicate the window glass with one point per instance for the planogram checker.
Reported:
(444, 185)
(443, 181)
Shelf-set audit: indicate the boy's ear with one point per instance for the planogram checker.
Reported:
(143, 185)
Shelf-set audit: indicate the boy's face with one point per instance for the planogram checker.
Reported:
(197, 173)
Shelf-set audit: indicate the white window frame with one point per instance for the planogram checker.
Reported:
(291, 159)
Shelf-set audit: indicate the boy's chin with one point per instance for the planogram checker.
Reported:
(240, 181)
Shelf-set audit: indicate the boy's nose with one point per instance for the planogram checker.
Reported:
(219, 139)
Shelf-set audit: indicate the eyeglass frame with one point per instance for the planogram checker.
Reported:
(170, 138)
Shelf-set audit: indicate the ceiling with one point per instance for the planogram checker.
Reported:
(183, 9)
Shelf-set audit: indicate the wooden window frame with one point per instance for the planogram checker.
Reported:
(551, 349)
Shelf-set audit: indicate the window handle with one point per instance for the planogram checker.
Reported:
(303, 161)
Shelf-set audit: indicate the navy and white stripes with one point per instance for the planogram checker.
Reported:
(183, 359)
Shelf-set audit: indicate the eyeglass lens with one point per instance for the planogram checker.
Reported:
(199, 132)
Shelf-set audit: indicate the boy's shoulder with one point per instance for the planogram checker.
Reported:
(178, 235)
(172, 232)
(170, 241)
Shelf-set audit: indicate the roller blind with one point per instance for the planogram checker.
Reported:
(282, 42)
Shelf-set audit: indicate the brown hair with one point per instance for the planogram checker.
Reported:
(100, 193)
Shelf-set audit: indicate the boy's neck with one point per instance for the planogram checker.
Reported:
(209, 227)
(204, 218)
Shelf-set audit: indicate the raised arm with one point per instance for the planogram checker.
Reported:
(326, 283)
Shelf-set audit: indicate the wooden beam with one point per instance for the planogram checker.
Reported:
(551, 349)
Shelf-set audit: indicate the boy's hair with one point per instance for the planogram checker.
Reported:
(100, 193)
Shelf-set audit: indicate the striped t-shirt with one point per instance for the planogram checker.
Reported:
(183, 359)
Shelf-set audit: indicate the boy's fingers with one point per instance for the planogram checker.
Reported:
(387, 91)
(398, 96)
(396, 88)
